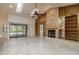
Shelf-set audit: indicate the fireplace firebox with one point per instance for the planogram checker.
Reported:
(51, 33)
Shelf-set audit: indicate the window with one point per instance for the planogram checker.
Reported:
(17, 30)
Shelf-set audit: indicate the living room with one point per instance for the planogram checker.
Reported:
(39, 28)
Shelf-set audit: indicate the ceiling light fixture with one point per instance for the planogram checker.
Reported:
(11, 6)
(19, 7)
(35, 12)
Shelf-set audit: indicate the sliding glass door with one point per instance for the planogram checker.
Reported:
(18, 30)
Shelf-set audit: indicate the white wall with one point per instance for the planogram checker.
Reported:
(3, 20)
(24, 20)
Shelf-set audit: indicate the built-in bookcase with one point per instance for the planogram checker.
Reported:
(78, 28)
(71, 27)
(60, 33)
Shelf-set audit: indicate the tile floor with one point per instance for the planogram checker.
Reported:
(39, 46)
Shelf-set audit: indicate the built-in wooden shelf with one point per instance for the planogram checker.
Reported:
(60, 33)
(71, 24)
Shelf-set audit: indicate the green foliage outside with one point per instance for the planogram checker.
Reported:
(16, 29)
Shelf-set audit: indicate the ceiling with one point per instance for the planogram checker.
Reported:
(28, 7)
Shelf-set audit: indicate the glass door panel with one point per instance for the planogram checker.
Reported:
(17, 30)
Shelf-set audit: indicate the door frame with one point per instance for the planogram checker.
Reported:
(17, 24)
(44, 30)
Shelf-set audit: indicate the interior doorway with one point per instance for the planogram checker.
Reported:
(41, 30)
(17, 30)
